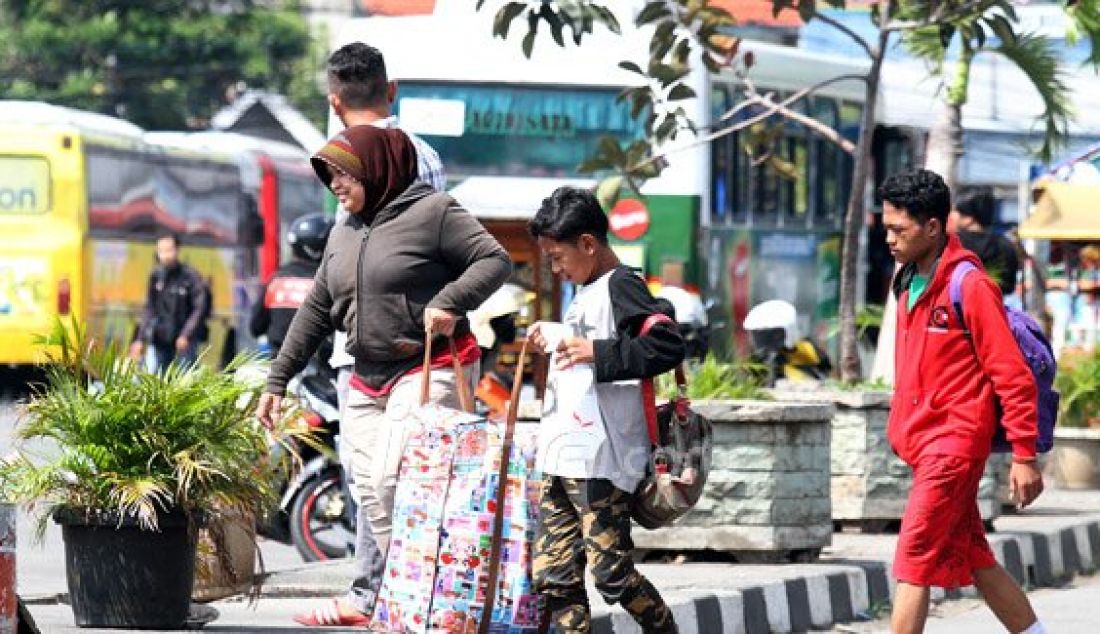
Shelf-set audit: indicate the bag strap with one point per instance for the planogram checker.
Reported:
(649, 393)
(954, 289)
(502, 487)
(461, 386)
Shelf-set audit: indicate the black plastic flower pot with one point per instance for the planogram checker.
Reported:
(121, 576)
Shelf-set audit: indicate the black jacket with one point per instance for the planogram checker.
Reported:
(281, 298)
(177, 304)
(998, 257)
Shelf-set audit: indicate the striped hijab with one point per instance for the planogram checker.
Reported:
(384, 160)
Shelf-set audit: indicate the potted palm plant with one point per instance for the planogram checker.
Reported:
(1075, 460)
(134, 463)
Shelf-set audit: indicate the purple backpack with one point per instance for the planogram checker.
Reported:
(1037, 353)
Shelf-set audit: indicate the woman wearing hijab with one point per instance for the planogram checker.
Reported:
(405, 258)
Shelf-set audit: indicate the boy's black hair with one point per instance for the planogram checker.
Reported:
(357, 74)
(920, 192)
(978, 203)
(569, 213)
(169, 235)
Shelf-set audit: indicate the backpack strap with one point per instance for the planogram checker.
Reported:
(954, 289)
(649, 393)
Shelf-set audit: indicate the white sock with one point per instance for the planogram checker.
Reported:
(1036, 628)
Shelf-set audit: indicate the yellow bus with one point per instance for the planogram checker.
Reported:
(83, 197)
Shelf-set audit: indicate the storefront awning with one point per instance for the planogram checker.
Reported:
(1064, 211)
(508, 197)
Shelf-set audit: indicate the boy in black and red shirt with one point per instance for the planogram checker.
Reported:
(589, 482)
(951, 387)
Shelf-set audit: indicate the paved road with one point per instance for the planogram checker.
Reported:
(1073, 609)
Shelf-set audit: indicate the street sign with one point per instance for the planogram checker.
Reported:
(629, 219)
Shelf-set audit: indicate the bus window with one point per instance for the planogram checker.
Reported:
(723, 190)
(299, 194)
(121, 192)
(566, 122)
(829, 200)
(24, 185)
(850, 115)
(201, 200)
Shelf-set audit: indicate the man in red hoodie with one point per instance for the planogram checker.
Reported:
(948, 383)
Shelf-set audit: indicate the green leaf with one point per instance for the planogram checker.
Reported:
(1002, 28)
(631, 66)
(666, 74)
(1009, 10)
(711, 64)
(608, 18)
(927, 44)
(663, 38)
(556, 27)
(979, 34)
(610, 148)
(504, 18)
(594, 164)
(572, 11)
(640, 101)
(947, 31)
(528, 44)
(681, 91)
(681, 53)
(665, 130)
(652, 12)
(806, 10)
(637, 151)
(1038, 59)
(609, 190)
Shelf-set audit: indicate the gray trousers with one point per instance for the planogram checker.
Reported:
(372, 439)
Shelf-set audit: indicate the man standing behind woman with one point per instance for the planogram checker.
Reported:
(406, 259)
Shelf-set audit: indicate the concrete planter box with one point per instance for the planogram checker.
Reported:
(768, 491)
(1074, 462)
(869, 484)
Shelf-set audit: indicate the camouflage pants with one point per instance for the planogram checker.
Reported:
(588, 521)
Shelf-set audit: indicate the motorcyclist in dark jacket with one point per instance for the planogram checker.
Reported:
(177, 304)
(290, 285)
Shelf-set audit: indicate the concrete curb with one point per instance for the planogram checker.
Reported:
(1036, 559)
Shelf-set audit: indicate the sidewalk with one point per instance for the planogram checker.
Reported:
(1047, 545)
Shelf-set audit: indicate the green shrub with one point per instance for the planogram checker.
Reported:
(1078, 380)
(711, 379)
(122, 441)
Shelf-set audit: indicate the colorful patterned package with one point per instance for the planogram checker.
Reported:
(404, 601)
(462, 571)
(436, 571)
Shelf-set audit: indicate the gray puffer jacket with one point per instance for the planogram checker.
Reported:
(422, 250)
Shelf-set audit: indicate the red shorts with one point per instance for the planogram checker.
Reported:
(942, 539)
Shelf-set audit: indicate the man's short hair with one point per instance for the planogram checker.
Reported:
(569, 213)
(978, 203)
(169, 235)
(357, 75)
(920, 192)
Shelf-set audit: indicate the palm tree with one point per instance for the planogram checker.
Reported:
(990, 32)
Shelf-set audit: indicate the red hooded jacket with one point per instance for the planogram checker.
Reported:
(946, 383)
